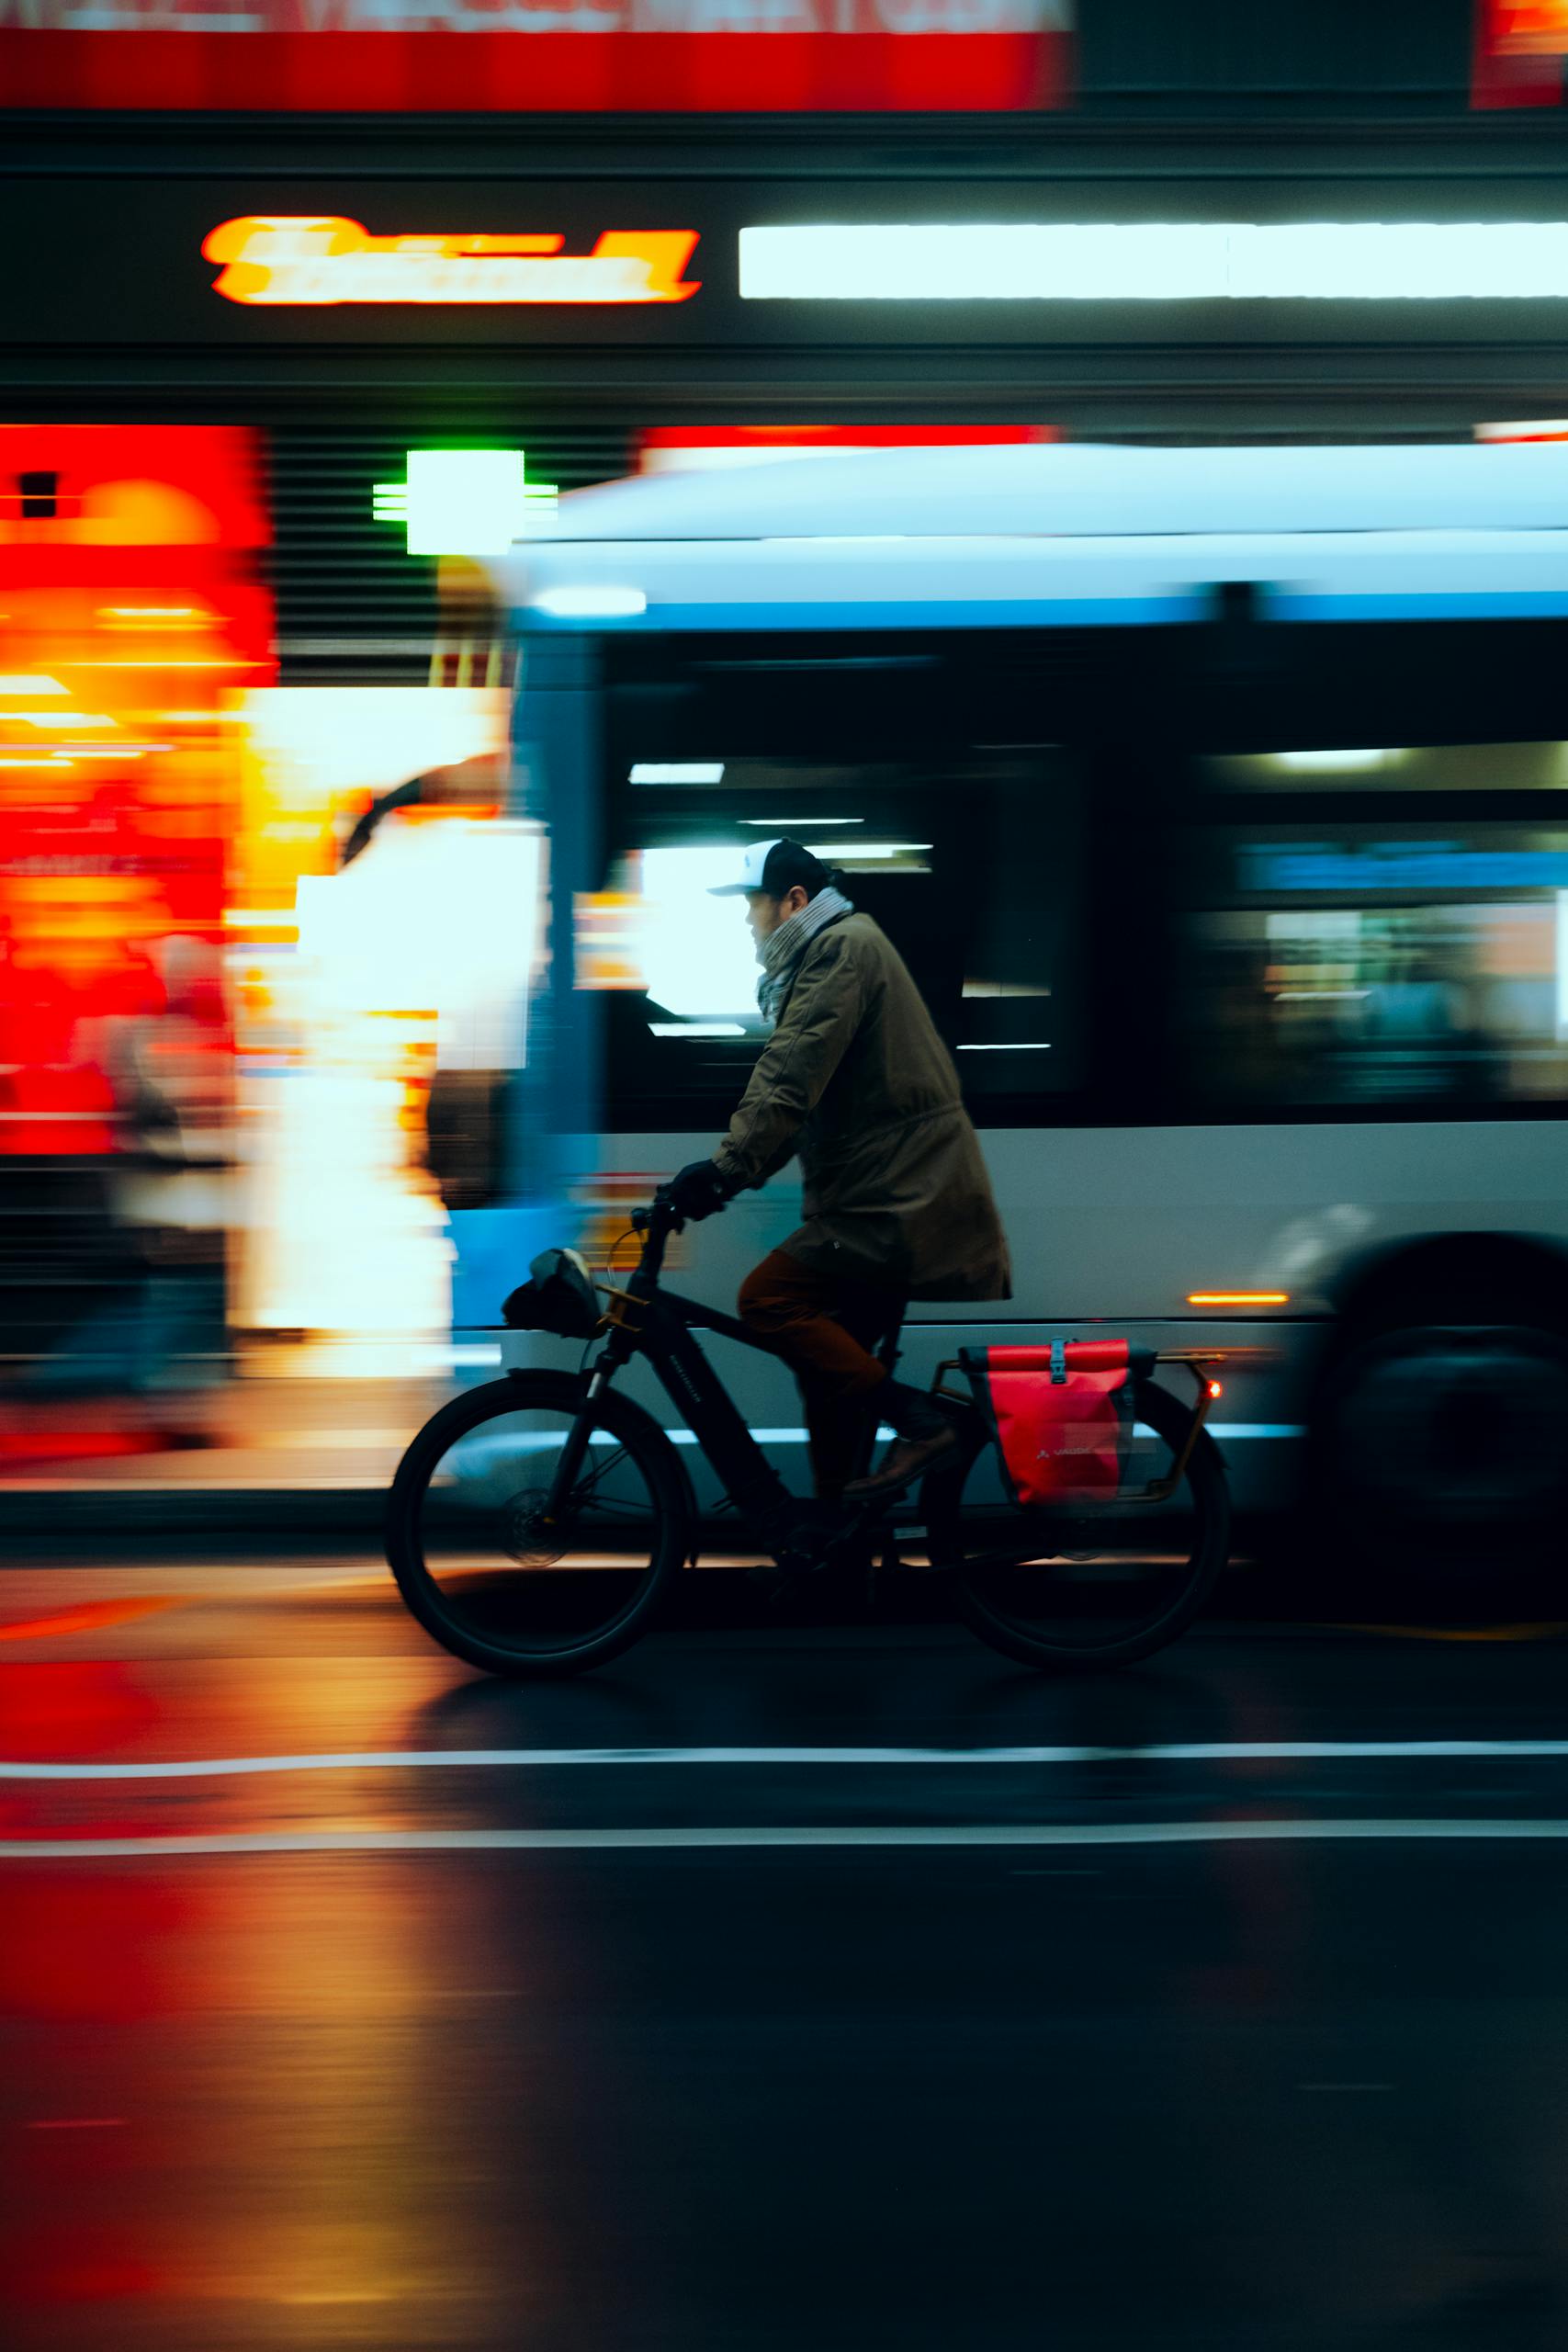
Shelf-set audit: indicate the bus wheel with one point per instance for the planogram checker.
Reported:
(1443, 1446)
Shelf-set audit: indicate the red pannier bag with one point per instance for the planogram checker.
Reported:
(1061, 1415)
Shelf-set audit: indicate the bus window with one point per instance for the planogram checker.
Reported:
(1418, 768)
(1390, 967)
(972, 863)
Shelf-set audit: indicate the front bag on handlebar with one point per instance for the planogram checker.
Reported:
(1060, 1416)
(558, 1296)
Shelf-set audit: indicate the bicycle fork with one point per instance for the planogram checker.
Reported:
(574, 1453)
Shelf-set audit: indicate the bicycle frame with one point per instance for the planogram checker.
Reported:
(1148, 1599)
(643, 1320)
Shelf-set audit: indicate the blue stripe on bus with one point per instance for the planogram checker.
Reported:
(991, 612)
(1072, 611)
(1420, 605)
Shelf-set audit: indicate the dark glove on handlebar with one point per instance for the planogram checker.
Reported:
(697, 1191)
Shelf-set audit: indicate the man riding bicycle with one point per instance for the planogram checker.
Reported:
(856, 1080)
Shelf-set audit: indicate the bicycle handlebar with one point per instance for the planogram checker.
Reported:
(656, 1224)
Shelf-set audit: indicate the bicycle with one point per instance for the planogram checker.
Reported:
(535, 1522)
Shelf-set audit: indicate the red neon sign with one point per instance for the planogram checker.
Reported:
(299, 259)
(670, 448)
(1520, 49)
(539, 56)
(130, 557)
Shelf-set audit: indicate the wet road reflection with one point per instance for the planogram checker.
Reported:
(1174, 2079)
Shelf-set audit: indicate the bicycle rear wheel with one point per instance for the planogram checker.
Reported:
(483, 1570)
(1098, 1584)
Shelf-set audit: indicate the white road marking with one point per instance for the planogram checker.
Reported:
(973, 1834)
(395, 1760)
(1215, 1428)
(134, 1485)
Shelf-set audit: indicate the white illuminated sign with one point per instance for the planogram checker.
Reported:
(463, 502)
(1158, 262)
(678, 771)
(590, 603)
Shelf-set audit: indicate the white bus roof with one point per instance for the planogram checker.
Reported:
(1060, 533)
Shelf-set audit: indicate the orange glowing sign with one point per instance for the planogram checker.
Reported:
(320, 258)
(1529, 27)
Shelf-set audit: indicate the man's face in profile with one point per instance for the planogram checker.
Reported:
(765, 912)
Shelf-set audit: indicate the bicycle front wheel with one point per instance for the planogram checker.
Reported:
(1098, 1585)
(481, 1566)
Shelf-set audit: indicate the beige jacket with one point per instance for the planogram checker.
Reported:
(856, 1079)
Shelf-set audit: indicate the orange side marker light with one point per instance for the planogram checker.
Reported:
(1238, 1298)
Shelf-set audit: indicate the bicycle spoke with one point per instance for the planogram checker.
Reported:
(507, 1569)
(599, 1476)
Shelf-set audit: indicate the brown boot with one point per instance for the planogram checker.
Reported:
(906, 1459)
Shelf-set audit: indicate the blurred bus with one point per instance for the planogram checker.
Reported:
(1219, 801)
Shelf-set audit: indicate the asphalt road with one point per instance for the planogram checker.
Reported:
(823, 1987)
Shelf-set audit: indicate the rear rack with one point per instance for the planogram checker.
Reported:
(1203, 1364)
(1236, 1359)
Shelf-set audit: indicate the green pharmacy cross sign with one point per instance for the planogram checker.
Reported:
(463, 502)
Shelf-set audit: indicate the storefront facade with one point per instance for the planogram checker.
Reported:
(349, 242)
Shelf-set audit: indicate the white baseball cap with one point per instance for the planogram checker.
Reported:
(774, 866)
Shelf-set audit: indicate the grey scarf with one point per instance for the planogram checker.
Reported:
(782, 949)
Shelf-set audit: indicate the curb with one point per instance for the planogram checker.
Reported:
(64, 1514)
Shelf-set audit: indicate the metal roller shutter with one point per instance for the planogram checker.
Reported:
(351, 603)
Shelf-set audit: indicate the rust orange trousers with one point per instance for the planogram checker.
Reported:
(825, 1329)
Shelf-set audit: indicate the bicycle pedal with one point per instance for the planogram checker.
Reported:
(801, 1538)
(820, 1542)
